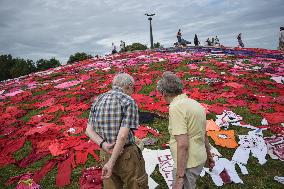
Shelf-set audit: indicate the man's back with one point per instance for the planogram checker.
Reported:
(187, 116)
(113, 110)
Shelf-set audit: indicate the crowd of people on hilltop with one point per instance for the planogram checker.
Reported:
(209, 42)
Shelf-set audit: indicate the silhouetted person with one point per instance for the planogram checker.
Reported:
(241, 44)
(281, 39)
(179, 36)
(208, 42)
(217, 42)
(196, 42)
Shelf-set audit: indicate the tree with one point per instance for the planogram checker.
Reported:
(43, 64)
(135, 46)
(6, 63)
(78, 57)
(22, 67)
(158, 45)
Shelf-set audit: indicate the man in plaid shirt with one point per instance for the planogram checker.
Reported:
(112, 119)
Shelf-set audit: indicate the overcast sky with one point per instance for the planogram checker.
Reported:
(37, 29)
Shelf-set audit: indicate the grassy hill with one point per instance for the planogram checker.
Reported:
(241, 80)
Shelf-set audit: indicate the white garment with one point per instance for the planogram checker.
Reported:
(220, 165)
(264, 122)
(251, 143)
(166, 166)
(279, 179)
(278, 79)
(151, 161)
(164, 159)
(226, 118)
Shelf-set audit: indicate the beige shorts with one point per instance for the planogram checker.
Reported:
(191, 175)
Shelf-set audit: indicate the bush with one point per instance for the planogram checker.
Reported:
(22, 67)
(43, 64)
(78, 57)
(135, 46)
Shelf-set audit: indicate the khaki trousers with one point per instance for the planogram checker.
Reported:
(128, 171)
(191, 175)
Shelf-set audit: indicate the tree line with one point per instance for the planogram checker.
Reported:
(15, 67)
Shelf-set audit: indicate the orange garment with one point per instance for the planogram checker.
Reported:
(224, 138)
(212, 126)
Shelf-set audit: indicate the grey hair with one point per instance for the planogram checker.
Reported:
(170, 84)
(122, 80)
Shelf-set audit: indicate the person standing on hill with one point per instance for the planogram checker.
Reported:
(112, 121)
(189, 144)
(196, 41)
(281, 39)
(241, 44)
(179, 36)
(122, 46)
(217, 42)
(113, 49)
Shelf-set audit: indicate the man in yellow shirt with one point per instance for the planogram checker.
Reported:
(187, 127)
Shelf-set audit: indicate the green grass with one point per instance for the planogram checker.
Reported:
(30, 114)
(147, 89)
(39, 93)
(24, 151)
(248, 117)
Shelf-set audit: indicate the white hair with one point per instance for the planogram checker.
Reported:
(170, 84)
(122, 80)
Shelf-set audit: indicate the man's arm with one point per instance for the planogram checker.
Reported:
(98, 139)
(118, 147)
(182, 153)
(182, 156)
(210, 160)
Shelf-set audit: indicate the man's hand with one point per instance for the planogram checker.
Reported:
(210, 162)
(178, 183)
(107, 170)
(107, 147)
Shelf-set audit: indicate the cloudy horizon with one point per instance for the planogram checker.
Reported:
(45, 29)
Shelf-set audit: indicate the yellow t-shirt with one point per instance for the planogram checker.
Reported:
(187, 116)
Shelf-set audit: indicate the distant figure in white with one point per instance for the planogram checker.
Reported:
(217, 42)
(281, 39)
(113, 49)
(122, 46)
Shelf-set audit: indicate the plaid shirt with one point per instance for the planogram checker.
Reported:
(112, 110)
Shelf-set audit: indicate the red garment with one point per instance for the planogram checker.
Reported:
(6, 160)
(82, 156)
(274, 118)
(234, 85)
(12, 146)
(217, 109)
(12, 110)
(44, 170)
(31, 158)
(64, 171)
(56, 148)
(236, 103)
(142, 132)
(49, 102)
(54, 108)
(91, 178)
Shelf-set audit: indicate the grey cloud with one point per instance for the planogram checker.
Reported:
(58, 28)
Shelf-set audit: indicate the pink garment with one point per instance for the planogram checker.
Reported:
(91, 178)
(275, 145)
(67, 84)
